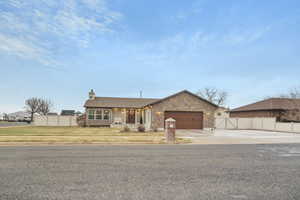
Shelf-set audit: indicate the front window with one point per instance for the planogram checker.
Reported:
(106, 114)
(91, 115)
(99, 114)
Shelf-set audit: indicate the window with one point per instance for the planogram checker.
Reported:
(99, 114)
(91, 115)
(106, 114)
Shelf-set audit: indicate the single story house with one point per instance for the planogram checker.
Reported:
(52, 114)
(283, 109)
(67, 113)
(19, 116)
(189, 110)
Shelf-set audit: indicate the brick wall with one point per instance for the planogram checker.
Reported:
(252, 114)
(291, 115)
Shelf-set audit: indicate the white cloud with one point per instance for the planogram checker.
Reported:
(184, 46)
(26, 50)
(246, 36)
(34, 29)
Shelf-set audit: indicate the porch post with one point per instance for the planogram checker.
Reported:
(137, 116)
(143, 116)
(124, 111)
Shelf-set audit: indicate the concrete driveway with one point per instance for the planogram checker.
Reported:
(238, 137)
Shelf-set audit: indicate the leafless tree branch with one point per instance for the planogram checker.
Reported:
(45, 106)
(32, 106)
(213, 95)
(38, 105)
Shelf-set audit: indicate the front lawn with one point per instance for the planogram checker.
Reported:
(78, 135)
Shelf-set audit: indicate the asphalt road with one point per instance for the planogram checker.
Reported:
(150, 172)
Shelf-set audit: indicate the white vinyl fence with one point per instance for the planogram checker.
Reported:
(56, 120)
(257, 124)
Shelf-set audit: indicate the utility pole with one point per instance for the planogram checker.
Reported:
(141, 94)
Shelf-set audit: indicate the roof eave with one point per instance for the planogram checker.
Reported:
(184, 91)
(277, 109)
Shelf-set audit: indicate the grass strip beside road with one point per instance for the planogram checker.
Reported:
(79, 135)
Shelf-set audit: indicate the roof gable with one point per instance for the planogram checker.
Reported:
(187, 92)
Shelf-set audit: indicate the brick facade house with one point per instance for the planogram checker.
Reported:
(283, 109)
(189, 110)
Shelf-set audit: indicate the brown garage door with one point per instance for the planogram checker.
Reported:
(186, 120)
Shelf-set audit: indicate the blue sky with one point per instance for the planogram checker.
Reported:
(61, 49)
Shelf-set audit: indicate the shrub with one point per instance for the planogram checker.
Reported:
(125, 129)
(141, 128)
(81, 120)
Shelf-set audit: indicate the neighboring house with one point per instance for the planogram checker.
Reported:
(189, 110)
(19, 116)
(78, 113)
(283, 109)
(222, 112)
(52, 114)
(67, 113)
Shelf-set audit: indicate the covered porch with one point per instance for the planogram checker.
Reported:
(131, 117)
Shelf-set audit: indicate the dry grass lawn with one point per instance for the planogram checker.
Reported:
(78, 135)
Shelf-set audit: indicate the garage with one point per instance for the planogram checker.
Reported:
(186, 120)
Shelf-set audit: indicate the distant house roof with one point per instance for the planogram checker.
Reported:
(52, 113)
(67, 112)
(118, 102)
(271, 104)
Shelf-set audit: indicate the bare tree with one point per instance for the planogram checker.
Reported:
(38, 105)
(295, 93)
(32, 106)
(213, 95)
(45, 106)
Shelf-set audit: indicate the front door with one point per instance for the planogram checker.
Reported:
(130, 117)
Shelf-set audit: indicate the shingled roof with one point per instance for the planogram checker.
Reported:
(271, 104)
(118, 102)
